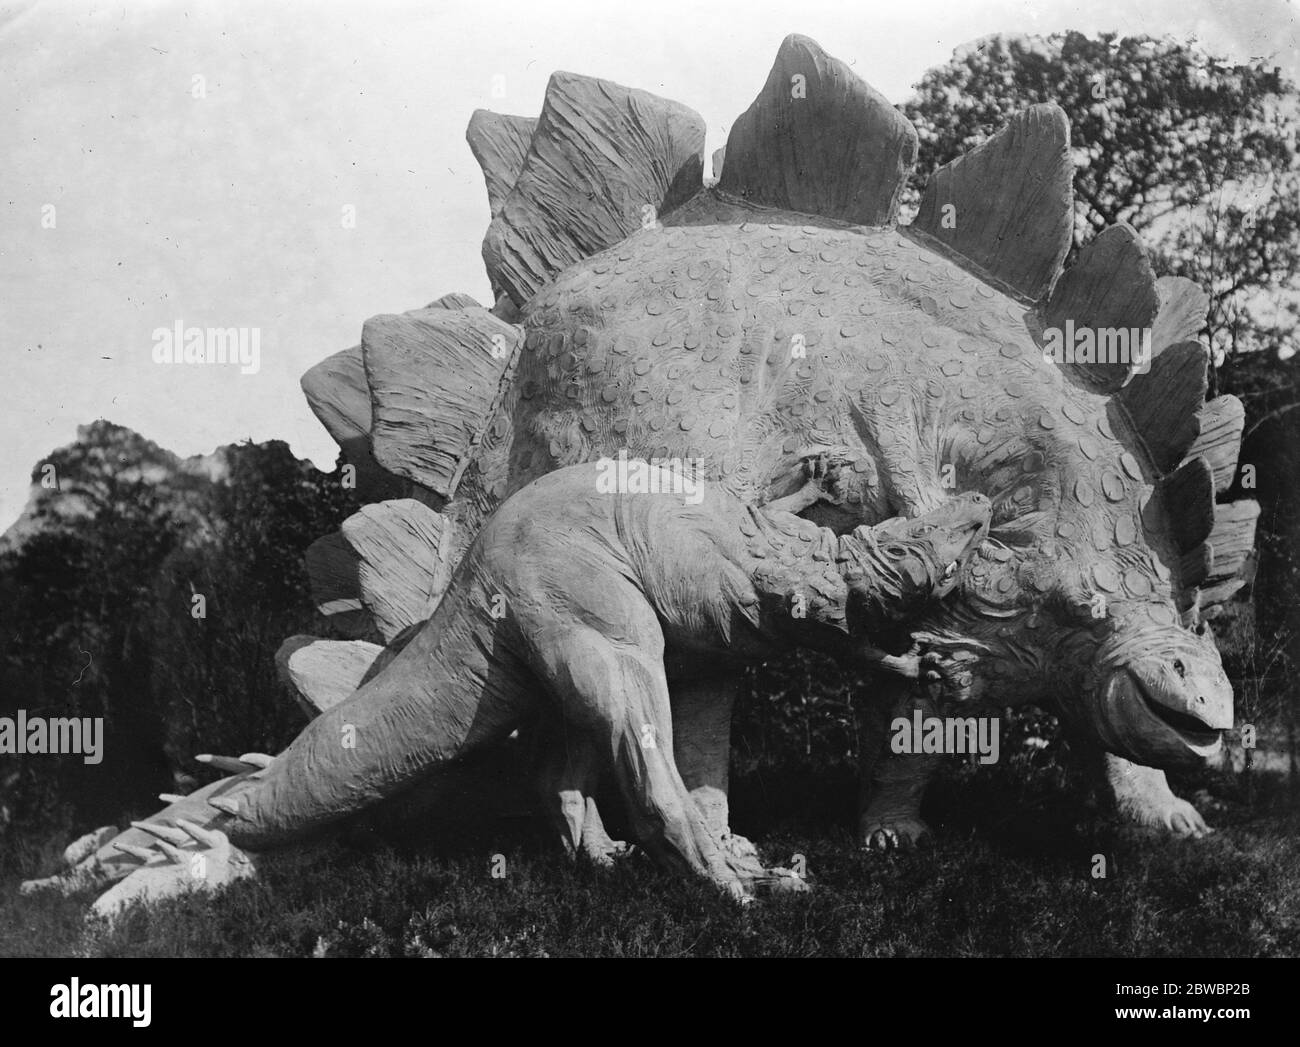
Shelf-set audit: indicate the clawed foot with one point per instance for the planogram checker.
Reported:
(607, 853)
(822, 467)
(742, 875)
(767, 883)
(1175, 816)
(914, 665)
(822, 474)
(736, 846)
(1143, 799)
(941, 677)
(782, 881)
(944, 665)
(742, 859)
(1182, 819)
(825, 472)
(897, 834)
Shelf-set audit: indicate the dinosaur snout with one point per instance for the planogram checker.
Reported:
(970, 517)
(1166, 701)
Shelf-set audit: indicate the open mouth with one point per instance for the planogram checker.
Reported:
(1192, 729)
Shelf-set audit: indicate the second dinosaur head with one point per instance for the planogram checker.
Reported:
(896, 567)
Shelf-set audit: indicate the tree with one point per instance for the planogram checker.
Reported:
(1197, 155)
(75, 635)
(96, 602)
(217, 672)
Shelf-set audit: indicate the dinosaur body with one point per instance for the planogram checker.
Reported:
(574, 603)
(594, 593)
(783, 314)
(926, 380)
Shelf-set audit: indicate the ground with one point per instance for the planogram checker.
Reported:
(1010, 875)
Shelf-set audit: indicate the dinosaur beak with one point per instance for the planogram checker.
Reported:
(965, 530)
(1137, 723)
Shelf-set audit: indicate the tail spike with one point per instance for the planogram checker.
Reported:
(259, 760)
(143, 853)
(200, 835)
(228, 764)
(161, 832)
(174, 854)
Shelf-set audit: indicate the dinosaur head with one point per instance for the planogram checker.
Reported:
(912, 562)
(1157, 693)
(1126, 672)
(1137, 682)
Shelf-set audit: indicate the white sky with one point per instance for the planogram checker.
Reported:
(225, 211)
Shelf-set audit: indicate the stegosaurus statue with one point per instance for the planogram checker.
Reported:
(782, 316)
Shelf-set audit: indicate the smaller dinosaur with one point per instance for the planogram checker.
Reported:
(599, 598)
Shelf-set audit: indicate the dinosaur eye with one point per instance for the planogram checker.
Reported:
(950, 570)
(1179, 668)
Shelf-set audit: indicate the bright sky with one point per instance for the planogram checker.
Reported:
(225, 210)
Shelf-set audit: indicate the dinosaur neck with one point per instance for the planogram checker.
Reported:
(811, 582)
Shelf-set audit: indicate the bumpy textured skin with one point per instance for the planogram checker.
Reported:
(568, 606)
(678, 342)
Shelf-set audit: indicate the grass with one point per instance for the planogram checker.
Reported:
(1009, 875)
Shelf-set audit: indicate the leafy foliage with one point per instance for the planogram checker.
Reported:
(1197, 155)
(96, 614)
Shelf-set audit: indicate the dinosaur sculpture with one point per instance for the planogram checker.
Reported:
(781, 315)
(576, 599)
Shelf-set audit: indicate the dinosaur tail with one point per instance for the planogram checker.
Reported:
(452, 688)
(449, 688)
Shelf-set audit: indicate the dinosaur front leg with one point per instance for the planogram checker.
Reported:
(1143, 798)
(702, 748)
(893, 784)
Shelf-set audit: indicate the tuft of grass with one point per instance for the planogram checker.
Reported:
(1010, 874)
